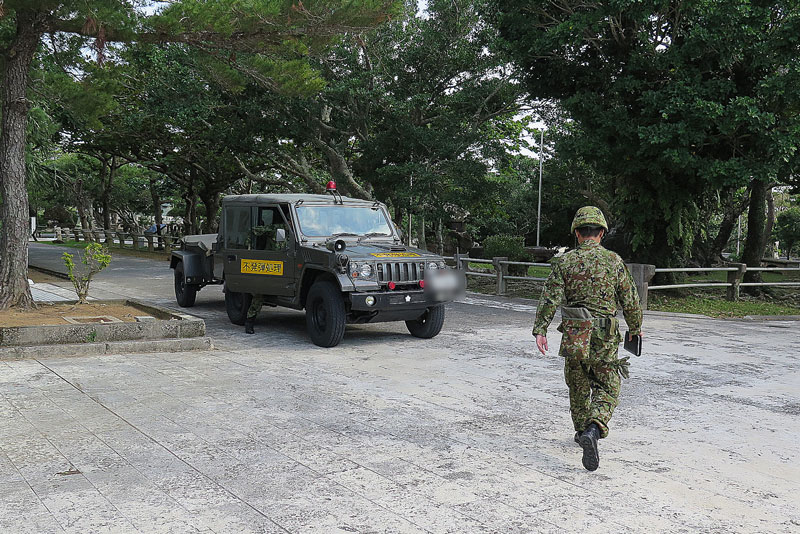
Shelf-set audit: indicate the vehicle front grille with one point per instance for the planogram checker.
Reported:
(400, 272)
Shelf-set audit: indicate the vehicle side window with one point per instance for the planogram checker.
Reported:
(265, 232)
(237, 227)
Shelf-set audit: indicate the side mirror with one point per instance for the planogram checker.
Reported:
(280, 235)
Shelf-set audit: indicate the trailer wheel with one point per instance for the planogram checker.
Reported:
(429, 324)
(325, 314)
(185, 293)
(237, 304)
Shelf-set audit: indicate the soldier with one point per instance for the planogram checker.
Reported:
(588, 282)
(252, 313)
(265, 239)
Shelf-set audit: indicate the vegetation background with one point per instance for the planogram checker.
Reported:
(679, 119)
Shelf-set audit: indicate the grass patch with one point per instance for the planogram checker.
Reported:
(709, 302)
(115, 250)
(717, 307)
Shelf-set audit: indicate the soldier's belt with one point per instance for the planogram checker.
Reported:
(579, 312)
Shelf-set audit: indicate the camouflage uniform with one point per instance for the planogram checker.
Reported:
(265, 240)
(255, 306)
(595, 279)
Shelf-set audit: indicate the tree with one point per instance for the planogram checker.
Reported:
(672, 101)
(788, 229)
(281, 29)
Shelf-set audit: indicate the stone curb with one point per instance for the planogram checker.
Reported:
(102, 349)
(51, 272)
(171, 325)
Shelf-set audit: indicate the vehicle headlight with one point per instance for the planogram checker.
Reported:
(361, 270)
(433, 266)
(442, 265)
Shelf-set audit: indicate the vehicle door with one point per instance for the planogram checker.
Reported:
(259, 251)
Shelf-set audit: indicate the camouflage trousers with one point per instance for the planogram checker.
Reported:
(255, 306)
(594, 385)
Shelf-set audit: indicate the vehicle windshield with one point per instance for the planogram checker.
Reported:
(324, 221)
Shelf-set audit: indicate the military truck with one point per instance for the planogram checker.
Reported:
(340, 259)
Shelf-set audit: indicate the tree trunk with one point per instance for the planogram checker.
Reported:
(770, 221)
(190, 223)
(159, 218)
(756, 222)
(422, 242)
(106, 175)
(730, 216)
(211, 203)
(14, 289)
(440, 237)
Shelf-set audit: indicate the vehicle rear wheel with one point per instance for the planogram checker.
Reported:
(237, 304)
(325, 314)
(429, 324)
(185, 293)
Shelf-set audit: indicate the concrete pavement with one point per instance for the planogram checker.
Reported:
(468, 432)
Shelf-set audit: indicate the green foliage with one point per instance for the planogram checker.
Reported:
(508, 246)
(668, 104)
(94, 258)
(60, 215)
(787, 228)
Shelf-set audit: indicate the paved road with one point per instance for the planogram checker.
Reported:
(464, 433)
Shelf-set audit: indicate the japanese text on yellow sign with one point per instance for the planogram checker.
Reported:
(396, 255)
(274, 268)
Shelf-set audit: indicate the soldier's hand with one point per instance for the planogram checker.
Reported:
(541, 343)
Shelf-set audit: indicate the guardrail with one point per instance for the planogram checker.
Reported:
(138, 241)
(642, 274)
(734, 279)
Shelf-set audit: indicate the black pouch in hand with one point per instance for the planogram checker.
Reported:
(633, 344)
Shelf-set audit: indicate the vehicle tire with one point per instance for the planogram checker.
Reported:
(237, 304)
(185, 293)
(429, 324)
(325, 314)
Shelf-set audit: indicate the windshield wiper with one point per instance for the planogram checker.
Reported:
(344, 234)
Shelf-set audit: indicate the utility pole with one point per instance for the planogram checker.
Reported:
(539, 212)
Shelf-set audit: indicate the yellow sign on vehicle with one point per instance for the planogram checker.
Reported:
(270, 267)
(396, 255)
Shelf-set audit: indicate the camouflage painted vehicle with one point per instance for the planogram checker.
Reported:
(341, 259)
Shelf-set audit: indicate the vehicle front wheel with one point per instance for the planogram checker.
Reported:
(185, 293)
(429, 324)
(237, 304)
(325, 314)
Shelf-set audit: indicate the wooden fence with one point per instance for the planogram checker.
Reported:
(137, 241)
(642, 275)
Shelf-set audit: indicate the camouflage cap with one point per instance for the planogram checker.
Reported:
(589, 216)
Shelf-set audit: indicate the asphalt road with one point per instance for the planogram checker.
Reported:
(467, 432)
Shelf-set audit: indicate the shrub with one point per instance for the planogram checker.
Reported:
(60, 215)
(95, 258)
(510, 246)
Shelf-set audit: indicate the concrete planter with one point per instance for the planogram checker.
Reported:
(168, 325)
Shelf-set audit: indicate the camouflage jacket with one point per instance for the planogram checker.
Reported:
(594, 278)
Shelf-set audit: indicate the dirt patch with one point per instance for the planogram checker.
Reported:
(41, 278)
(53, 314)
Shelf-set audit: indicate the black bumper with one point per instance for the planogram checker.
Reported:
(392, 301)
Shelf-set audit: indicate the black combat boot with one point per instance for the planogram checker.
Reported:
(249, 323)
(588, 441)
